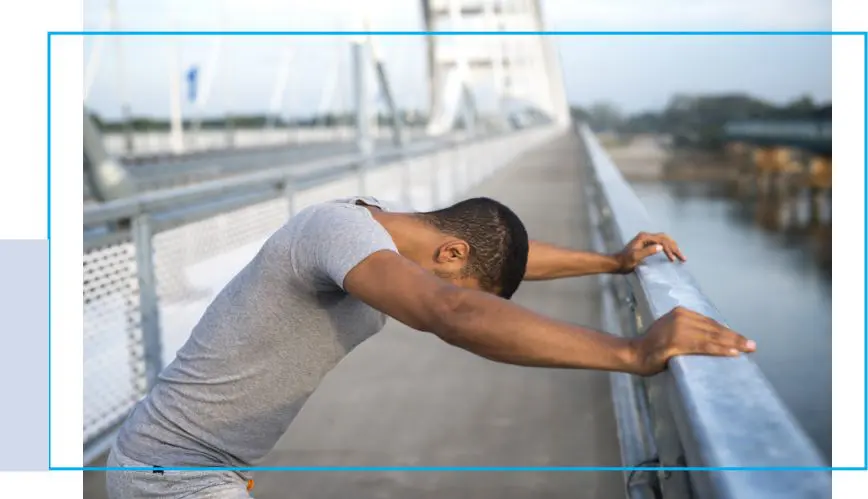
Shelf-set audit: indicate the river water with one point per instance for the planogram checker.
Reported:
(771, 284)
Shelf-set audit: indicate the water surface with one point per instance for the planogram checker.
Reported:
(770, 284)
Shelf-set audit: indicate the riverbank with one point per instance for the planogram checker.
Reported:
(647, 159)
(784, 206)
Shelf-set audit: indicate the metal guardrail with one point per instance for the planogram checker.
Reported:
(170, 207)
(703, 411)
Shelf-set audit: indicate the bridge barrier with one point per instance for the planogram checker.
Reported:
(153, 263)
(152, 145)
(703, 412)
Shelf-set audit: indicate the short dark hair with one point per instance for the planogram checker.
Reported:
(497, 238)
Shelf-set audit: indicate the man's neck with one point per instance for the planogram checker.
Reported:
(412, 236)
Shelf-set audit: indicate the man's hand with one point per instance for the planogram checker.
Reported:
(684, 332)
(643, 246)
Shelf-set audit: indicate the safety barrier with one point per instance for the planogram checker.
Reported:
(153, 262)
(702, 412)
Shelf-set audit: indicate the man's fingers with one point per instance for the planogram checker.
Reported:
(647, 251)
(719, 350)
(722, 334)
(671, 246)
(666, 243)
(705, 330)
(668, 251)
(728, 338)
(706, 347)
(674, 250)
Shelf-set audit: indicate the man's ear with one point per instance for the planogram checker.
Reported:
(454, 251)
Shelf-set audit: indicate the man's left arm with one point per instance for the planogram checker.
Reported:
(546, 261)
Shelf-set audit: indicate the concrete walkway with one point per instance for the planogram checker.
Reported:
(404, 398)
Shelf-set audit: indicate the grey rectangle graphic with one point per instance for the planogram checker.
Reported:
(24, 362)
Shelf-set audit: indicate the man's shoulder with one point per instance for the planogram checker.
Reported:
(382, 204)
(337, 219)
(335, 211)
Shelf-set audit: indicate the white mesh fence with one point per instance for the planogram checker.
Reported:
(113, 354)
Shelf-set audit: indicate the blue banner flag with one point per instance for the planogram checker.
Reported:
(192, 81)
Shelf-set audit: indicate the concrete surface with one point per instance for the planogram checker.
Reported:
(404, 398)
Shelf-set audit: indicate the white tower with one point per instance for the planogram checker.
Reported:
(519, 68)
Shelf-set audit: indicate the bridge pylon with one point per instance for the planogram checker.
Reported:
(520, 71)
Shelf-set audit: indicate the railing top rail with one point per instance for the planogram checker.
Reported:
(726, 412)
(298, 175)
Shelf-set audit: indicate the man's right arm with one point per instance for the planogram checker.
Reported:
(500, 330)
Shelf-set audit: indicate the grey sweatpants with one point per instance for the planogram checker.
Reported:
(169, 484)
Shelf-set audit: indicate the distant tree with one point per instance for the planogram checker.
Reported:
(605, 116)
(579, 114)
(601, 116)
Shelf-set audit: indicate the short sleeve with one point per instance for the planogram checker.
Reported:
(332, 238)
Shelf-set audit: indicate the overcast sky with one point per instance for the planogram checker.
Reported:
(636, 73)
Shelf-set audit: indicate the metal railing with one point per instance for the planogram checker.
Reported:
(702, 412)
(153, 262)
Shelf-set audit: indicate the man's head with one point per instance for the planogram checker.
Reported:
(484, 246)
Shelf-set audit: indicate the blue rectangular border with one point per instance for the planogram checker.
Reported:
(864, 36)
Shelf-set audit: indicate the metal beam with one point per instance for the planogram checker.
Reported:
(397, 122)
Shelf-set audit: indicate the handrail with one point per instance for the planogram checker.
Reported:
(723, 411)
(296, 176)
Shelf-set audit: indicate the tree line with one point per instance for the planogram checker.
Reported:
(699, 120)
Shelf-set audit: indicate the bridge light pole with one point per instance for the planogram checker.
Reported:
(126, 123)
(363, 124)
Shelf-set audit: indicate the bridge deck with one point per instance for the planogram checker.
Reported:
(404, 398)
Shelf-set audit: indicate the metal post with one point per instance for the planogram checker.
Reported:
(126, 121)
(397, 124)
(228, 123)
(280, 85)
(176, 137)
(435, 180)
(454, 162)
(469, 111)
(148, 304)
(363, 130)
(398, 138)
(203, 95)
(229, 130)
(289, 193)
(406, 184)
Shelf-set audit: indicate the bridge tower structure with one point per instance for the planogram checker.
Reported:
(514, 72)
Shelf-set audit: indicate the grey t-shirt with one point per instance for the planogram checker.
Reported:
(263, 345)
